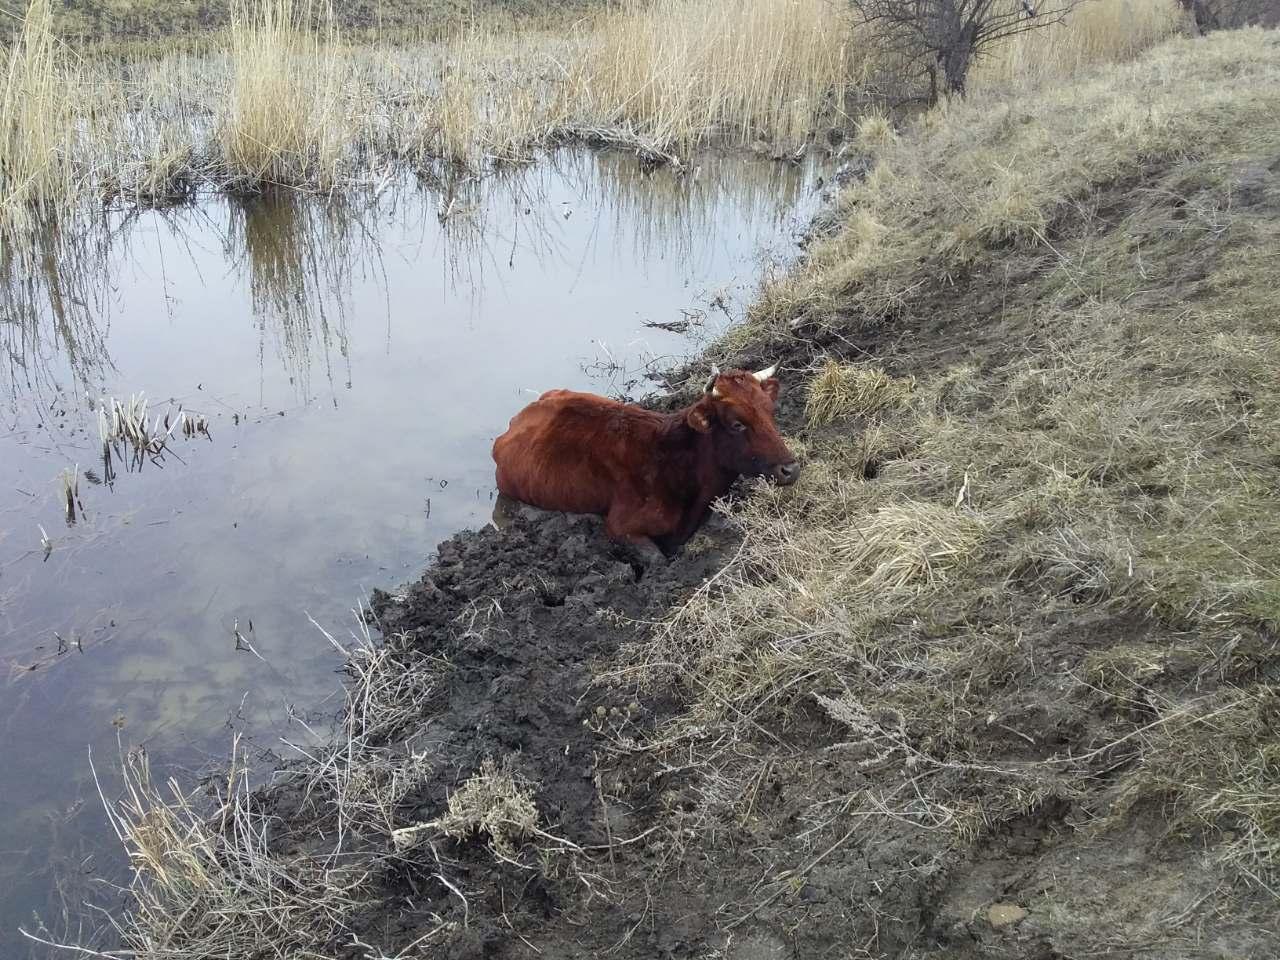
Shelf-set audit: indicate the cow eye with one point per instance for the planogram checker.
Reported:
(739, 427)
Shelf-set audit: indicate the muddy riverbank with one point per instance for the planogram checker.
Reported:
(995, 678)
(354, 358)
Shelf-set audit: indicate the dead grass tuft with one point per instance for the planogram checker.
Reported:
(497, 803)
(875, 130)
(207, 882)
(215, 875)
(284, 120)
(839, 391)
(906, 545)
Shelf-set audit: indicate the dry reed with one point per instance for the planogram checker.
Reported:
(1093, 33)
(37, 126)
(281, 98)
(846, 391)
(284, 120)
(676, 71)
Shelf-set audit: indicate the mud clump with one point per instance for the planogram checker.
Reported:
(527, 619)
(524, 618)
(521, 616)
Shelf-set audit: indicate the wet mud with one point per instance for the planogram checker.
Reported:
(528, 618)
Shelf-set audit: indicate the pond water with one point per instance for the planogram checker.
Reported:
(354, 359)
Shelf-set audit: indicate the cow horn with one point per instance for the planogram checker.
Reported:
(765, 374)
(711, 381)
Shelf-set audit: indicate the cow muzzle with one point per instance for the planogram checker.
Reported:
(786, 474)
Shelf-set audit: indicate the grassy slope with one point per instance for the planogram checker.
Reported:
(1022, 609)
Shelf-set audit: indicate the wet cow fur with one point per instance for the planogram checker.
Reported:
(652, 476)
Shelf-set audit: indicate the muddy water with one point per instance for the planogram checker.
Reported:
(354, 360)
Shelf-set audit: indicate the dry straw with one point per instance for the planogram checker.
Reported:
(837, 392)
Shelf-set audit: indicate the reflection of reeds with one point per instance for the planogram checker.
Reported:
(301, 255)
(677, 210)
(54, 291)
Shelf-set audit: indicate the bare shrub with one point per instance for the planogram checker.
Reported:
(947, 36)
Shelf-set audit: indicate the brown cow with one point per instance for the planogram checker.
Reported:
(652, 475)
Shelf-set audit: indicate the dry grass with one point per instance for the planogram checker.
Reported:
(37, 127)
(672, 71)
(1101, 471)
(208, 882)
(1009, 170)
(497, 803)
(1221, 759)
(283, 120)
(838, 392)
(875, 130)
(290, 869)
(1110, 31)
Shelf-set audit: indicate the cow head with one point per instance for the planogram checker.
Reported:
(736, 410)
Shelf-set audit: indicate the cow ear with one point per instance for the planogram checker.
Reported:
(699, 417)
(771, 387)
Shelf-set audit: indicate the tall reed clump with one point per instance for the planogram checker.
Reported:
(1093, 33)
(284, 121)
(492, 94)
(37, 125)
(681, 71)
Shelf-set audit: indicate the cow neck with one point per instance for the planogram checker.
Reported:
(693, 450)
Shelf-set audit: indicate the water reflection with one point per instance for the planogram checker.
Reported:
(352, 358)
(55, 311)
(300, 258)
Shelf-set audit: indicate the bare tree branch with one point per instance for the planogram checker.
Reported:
(952, 34)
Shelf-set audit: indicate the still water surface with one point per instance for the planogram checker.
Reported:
(354, 359)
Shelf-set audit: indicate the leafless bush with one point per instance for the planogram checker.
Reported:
(949, 35)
